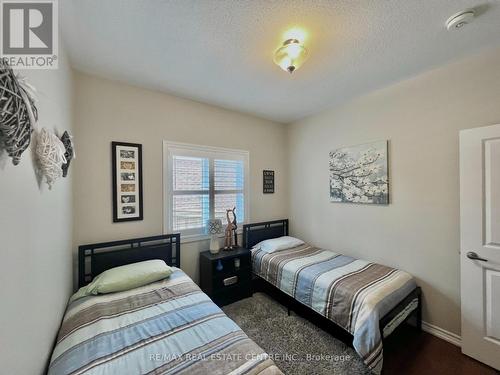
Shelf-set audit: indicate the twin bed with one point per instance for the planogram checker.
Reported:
(171, 326)
(367, 300)
(166, 327)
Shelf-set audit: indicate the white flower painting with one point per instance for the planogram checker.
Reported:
(358, 174)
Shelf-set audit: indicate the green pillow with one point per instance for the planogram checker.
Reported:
(126, 277)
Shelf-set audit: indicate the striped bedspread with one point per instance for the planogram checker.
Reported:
(352, 293)
(168, 327)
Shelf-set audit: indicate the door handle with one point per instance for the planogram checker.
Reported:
(472, 255)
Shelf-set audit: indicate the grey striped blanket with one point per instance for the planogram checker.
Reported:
(168, 327)
(352, 293)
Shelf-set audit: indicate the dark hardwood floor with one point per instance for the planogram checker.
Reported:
(411, 352)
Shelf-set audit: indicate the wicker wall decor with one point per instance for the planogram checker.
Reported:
(18, 113)
(50, 156)
(69, 154)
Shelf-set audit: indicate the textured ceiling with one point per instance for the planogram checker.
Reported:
(220, 52)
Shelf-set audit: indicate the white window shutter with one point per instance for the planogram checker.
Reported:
(201, 183)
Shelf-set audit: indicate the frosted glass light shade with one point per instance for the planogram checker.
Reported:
(290, 56)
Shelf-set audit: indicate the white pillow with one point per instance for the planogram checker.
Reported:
(277, 244)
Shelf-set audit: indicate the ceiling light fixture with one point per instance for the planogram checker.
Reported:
(290, 55)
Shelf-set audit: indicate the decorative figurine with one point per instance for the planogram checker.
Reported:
(231, 227)
(235, 230)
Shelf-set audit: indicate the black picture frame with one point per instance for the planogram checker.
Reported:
(267, 182)
(130, 207)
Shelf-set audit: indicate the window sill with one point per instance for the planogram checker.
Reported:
(202, 237)
(194, 238)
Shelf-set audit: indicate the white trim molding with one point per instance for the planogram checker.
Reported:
(443, 334)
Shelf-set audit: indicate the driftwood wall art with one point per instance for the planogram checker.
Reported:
(69, 154)
(50, 156)
(18, 113)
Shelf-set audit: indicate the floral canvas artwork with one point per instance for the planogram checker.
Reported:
(358, 174)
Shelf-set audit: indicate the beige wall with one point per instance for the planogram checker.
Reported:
(35, 240)
(421, 117)
(109, 111)
(419, 230)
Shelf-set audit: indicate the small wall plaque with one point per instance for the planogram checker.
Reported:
(268, 182)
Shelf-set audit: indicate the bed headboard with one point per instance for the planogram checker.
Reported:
(96, 258)
(254, 233)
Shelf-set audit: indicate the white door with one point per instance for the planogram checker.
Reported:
(480, 243)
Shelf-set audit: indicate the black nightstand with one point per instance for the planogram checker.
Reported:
(222, 278)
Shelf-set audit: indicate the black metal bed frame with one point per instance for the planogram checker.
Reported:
(255, 233)
(96, 258)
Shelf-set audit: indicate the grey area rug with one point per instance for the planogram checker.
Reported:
(296, 345)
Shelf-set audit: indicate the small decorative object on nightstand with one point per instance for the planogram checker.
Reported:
(214, 228)
(219, 267)
(226, 276)
(230, 230)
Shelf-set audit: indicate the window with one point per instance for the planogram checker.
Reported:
(200, 183)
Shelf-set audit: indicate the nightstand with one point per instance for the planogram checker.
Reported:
(225, 277)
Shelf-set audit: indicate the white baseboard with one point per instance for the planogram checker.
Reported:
(443, 334)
